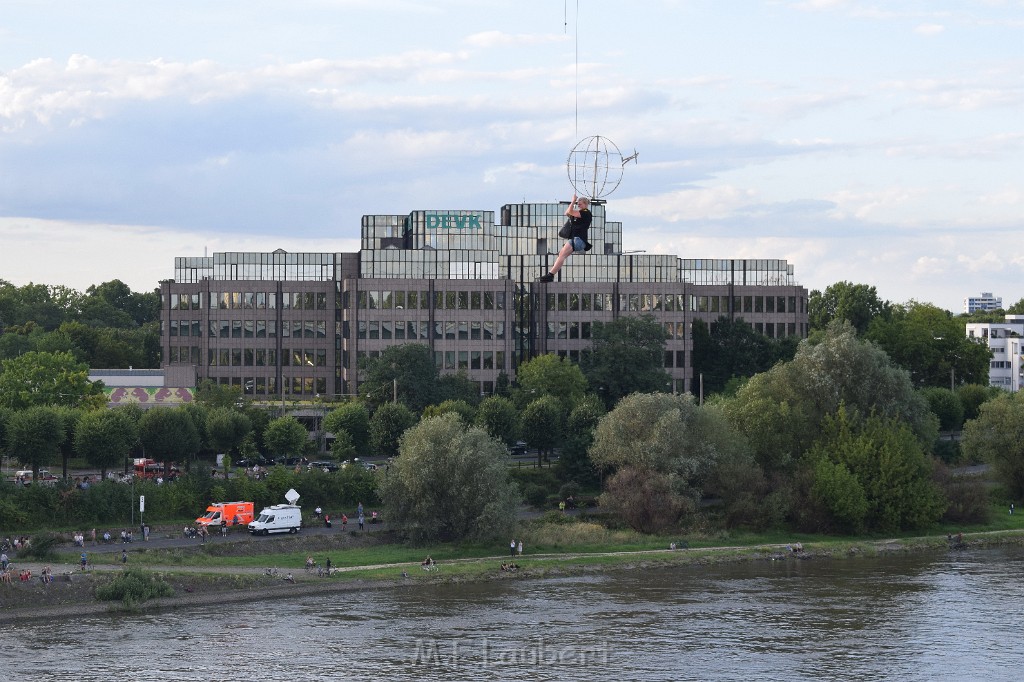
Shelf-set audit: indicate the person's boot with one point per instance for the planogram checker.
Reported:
(546, 277)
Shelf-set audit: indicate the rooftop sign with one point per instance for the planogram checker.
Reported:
(440, 221)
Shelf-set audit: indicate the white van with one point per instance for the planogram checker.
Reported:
(44, 475)
(280, 518)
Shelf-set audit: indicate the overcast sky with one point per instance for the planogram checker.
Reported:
(875, 142)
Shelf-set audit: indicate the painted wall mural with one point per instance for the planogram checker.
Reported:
(150, 395)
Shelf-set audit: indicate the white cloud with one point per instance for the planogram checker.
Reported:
(929, 29)
(486, 39)
(82, 254)
(689, 204)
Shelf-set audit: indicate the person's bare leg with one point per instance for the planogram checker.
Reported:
(562, 255)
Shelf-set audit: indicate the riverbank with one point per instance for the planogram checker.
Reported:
(72, 592)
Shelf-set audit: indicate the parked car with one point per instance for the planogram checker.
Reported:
(290, 461)
(517, 449)
(257, 461)
(324, 465)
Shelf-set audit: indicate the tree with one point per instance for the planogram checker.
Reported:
(34, 436)
(460, 407)
(226, 428)
(644, 499)
(457, 386)
(973, 396)
(450, 482)
(551, 375)
(342, 448)
(873, 475)
(405, 371)
(931, 345)
(1017, 308)
(573, 462)
(664, 433)
(285, 436)
(211, 394)
(169, 434)
(732, 349)
(352, 418)
(105, 438)
(498, 417)
(997, 437)
(857, 304)
(542, 425)
(39, 378)
(946, 406)
(387, 425)
(626, 356)
(781, 410)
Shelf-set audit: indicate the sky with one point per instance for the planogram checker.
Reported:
(879, 143)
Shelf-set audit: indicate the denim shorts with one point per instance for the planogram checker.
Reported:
(578, 245)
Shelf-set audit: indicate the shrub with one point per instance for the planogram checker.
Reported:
(134, 587)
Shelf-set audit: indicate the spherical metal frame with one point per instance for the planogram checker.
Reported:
(594, 167)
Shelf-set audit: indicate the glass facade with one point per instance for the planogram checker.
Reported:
(297, 324)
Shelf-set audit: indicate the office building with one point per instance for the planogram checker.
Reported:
(984, 302)
(296, 325)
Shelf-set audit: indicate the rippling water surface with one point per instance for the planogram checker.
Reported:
(935, 617)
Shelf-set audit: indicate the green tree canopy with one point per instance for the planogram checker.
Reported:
(285, 436)
(551, 375)
(997, 437)
(406, 370)
(169, 435)
(857, 304)
(946, 406)
(733, 349)
(352, 418)
(387, 425)
(931, 345)
(460, 407)
(542, 425)
(450, 482)
(105, 438)
(873, 475)
(34, 436)
(665, 433)
(499, 418)
(574, 462)
(626, 356)
(226, 428)
(38, 378)
(780, 411)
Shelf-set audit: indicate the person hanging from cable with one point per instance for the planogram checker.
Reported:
(578, 223)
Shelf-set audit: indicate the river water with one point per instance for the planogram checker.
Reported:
(919, 617)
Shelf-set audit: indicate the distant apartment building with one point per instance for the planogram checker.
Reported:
(1004, 340)
(297, 325)
(984, 302)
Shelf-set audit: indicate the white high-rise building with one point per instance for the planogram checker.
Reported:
(1004, 339)
(984, 302)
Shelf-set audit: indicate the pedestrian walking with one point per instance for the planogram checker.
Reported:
(124, 556)
(512, 548)
(519, 548)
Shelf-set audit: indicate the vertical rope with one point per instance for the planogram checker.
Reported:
(577, 69)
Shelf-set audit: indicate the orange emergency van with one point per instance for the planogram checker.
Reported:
(227, 513)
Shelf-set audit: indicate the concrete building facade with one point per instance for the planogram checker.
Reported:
(1004, 340)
